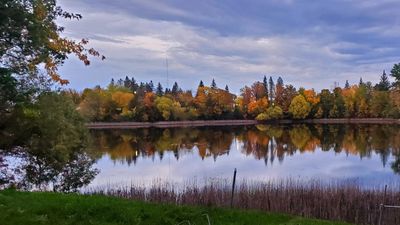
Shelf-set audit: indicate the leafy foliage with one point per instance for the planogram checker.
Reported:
(299, 108)
(30, 37)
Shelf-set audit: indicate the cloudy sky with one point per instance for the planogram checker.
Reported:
(308, 43)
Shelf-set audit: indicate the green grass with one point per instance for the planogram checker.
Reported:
(20, 208)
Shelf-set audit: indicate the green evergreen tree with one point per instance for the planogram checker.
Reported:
(127, 82)
(395, 72)
(159, 90)
(213, 84)
(175, 89)
(271, 89)
(265, 84)
(347, 85)
(201, 84)
(384, 83)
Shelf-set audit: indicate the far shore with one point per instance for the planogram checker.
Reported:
(200, 123)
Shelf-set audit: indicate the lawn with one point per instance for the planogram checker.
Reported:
(20, 208)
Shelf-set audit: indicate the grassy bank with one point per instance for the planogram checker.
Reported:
(52, 208)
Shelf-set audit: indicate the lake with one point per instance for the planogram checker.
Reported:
(366, 154)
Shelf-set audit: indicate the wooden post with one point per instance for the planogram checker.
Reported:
(233, 186)
(382, 207)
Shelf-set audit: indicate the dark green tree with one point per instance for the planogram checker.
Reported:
(201, 84)
(265, 83)
(53, 137)
(326, 102)
(149, 86)
(175, 89)
(213, 84)
(384, 83)
(134, 85)
(347, 85)
(395, 72)
(338, 109)
(160, 90)
(127, 83)
(271, 91)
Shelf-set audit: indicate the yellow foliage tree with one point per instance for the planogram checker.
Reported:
(299, 107)
(122, 99)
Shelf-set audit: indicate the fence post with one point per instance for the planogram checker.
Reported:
(382, 207)
(233, 186)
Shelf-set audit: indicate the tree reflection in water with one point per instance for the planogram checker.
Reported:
(44, 146)
(263, 142)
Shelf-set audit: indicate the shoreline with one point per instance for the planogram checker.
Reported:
(201, 123)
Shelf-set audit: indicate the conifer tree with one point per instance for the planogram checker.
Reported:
(213, 84)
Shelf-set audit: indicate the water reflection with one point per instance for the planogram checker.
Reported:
(367, 153)
(262, 142)
(26, 170)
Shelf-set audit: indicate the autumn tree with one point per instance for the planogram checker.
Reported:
(279, 89)
(258, 90)
(219, 102)
(165, 106)
(258, 106)
(299, 108)
(122, 101)
(247, 96)
(289, 92)
(349, 98)
(311, 97)
(30, 38)
(96, 105)
(200, 99)
(273, 112)
(150, 113)
(363, 95)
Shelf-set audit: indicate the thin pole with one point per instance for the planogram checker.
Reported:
(382, 207)
(233, 186)
(166, 65)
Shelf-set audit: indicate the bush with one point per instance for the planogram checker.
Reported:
(271, 114)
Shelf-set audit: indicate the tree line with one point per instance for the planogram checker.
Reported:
(130, 100)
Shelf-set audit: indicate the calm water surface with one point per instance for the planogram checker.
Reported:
(367, 154)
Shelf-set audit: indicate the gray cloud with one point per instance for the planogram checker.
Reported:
(235, 42)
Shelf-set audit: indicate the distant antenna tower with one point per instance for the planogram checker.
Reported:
(166, 65)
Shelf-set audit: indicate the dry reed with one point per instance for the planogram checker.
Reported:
(344, 201)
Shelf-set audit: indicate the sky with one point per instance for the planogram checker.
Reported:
(310, 44)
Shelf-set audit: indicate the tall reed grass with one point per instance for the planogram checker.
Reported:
(344, 201)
